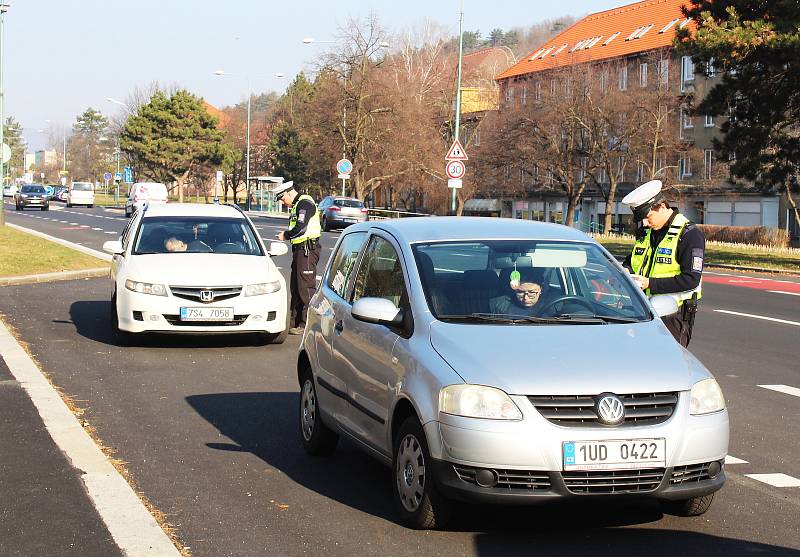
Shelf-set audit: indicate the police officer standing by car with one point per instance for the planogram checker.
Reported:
(667, 257)
(304, 233)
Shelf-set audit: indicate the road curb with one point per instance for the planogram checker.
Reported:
(59, 275)
(621, 257)
(132, 527)
(65, 243)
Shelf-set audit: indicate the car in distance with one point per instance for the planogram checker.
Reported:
(10, 190)
(60, 193)
(81, 193)
(32, 196)
(195, 269)
(340, 212)
(504, 361)
(152, 193)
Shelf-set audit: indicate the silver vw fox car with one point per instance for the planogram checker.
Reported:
(504, 361)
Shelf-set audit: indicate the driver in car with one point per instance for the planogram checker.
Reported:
(525, 295)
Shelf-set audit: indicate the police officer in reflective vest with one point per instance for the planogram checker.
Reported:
(304, 233)
(667, 257)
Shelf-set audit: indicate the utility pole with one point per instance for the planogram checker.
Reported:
(344, 145)
(3, 9)
(454, 197)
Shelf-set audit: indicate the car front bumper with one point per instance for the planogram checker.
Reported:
(346, 220)
(140, 313)
(529, 454)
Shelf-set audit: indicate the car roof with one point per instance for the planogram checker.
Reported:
(193, 210)
(432, 229)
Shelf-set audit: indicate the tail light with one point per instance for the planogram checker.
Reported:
(334, 208)
(364, 210)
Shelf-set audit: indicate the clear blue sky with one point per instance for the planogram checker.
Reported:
(63, 56)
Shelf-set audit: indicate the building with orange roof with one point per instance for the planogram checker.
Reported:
(636, 42)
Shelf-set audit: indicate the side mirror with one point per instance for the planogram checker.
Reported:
(664, 305)
(277, 248)
(114, 247)
(377, 310)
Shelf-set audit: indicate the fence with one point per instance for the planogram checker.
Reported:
(384, 214)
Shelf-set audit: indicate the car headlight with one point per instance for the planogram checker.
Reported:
(262, 288)
(706, 397)
(478, 401)
(146, 288)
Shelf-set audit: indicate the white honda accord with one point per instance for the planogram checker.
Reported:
(194, 268)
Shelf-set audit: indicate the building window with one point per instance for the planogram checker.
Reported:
(603, 80)
(643, 75)
(522, 176)
(568, 88)
(710, 69)
(687, 72)
(640, 172)
(509, 96)
(708, 158)
(685, 166)
(538, 90)
(536, 174)
(709, 123)
(660, 170)
(524, 93)
(553, 87)
(582, 171)
(663, 72)
(476, 137)
(686, 118)
(623, 78)
(620, 169)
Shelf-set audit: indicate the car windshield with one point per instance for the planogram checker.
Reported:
(165, 234)
(78, 186)
(32, 189)
(348, 203)
(525, 281)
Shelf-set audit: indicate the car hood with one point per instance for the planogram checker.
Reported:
(568, 359)
(202, 269)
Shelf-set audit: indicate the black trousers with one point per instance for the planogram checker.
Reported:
(680, 327)
(303, 282)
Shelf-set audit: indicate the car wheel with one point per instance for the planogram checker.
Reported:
(325, 224)
(689, 507)
(69, 204)
(45, 208)
(318, 439)
(127, 214)
(277, 338)
(122, 338)
(18, 207)
(416, 497)
(90, 206)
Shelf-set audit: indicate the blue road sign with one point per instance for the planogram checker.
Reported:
(344, 166)
(118, 176)
(107, 176)
(127, 173)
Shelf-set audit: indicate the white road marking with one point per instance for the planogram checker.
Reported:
(73, 224)
(783, 292)
(775, 480)
(109, 232)
(785, 389)
(733, 460)
(133, 528)
(84, 226)
(774, 319)
(100, 229)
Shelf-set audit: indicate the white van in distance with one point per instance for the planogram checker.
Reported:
(81, 193)
(153, 193)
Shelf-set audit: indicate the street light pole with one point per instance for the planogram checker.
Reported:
(247, 169)
(3, 9)
(454, 198)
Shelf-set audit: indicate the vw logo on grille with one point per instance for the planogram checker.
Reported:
(206, 295)
(610, 409)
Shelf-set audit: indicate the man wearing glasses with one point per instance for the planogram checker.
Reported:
(304, 233)
(526, 293)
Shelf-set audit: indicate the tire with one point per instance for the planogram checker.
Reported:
(277, 338)
(18, 207)
(317, 438)
(418, 501)
(689, 507)
(90, 206)
(127, 214)
(325, 224)
(45, 208)
(69, 204)
(122, 338)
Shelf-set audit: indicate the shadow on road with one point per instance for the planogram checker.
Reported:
(91, 320)
(264, 424)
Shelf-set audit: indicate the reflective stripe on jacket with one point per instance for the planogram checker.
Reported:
(313, 226)
(664, 262)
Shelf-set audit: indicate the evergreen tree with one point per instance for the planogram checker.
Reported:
(12, 135)
(289, 154)
(756, 43)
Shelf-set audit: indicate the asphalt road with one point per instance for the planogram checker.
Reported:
(208, 429)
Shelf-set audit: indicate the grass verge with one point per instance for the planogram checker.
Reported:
(24, 254)
(779, 260)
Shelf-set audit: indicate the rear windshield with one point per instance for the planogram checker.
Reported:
(348, 203)
(32, 189)
(81, 187)
(196, 235)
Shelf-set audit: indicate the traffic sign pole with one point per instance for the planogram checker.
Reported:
(344, 167)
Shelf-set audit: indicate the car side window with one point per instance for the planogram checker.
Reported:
(344, 261)
(381, 274)
(126, 234)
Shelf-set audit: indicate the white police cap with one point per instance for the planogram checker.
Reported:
(282, 188)
(643, 198)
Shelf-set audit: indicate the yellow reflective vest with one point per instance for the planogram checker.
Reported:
(313, 226)
(663, 262)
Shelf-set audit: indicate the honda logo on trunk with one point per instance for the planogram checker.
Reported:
(206, 295)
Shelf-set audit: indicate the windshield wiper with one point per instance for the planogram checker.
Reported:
(507, 318)
(595, 317)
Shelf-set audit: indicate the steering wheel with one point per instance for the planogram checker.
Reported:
(567, 298)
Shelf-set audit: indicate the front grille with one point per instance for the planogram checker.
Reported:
(175, 319)
(579, 410)
(616, 481)
(529, 480)
(690, 473)
(193, 292)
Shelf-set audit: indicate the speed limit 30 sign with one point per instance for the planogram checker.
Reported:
(455, 169)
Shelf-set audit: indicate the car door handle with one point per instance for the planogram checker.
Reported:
(339, 326)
